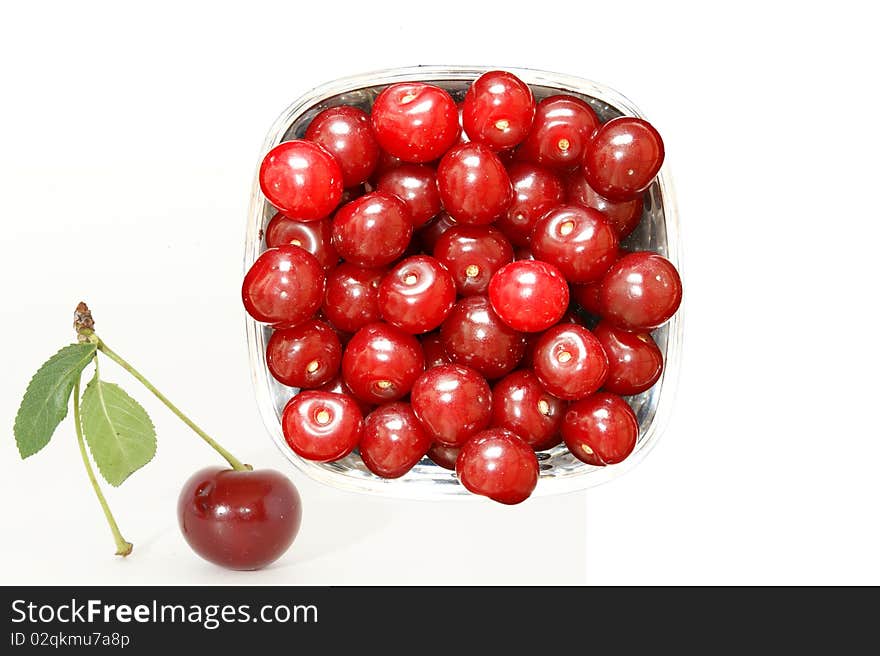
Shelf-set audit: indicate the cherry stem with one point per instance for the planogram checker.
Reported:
(123, 547)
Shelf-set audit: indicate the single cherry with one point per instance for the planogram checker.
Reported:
(472, 254)
(641, 291)
(634, 360)
(600, 430)
(346, 134)
(415, 121)
(560, 133)
(624, 216)
(381, 363)
(432, 347)
(352, 297)
(529, 295)
(322, 426)
(417, 294)
(577, 240)
(284, 286)
(373, 230)
(415, 185)
(570, 362)
(497, 464)
(520, 404)
(453, 402)
(443, 455)
(623, 158)
(393, 441)
(474, 185)
(301, 179)
(428, 235)
(306, 356)
(313, 236)
(498, 110)
(536, 190)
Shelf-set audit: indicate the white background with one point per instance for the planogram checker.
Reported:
(128, 138)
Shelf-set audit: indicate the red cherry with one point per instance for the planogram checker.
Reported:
(381, 363)
(313, 236)
(587, 296)
(577, 240)
(453, 402)
(498, 110)
(600, 430)
(301, 179)
(499, 465)
(529, 295)
(352, 297)
(570, 362)
(624, 217)
(561, 131)
(472, 254)
(414, 121)
(432, 347)
(443, 455)
(415, 185)
(537, 190)
(239, 519)
(521, 405)
(641, 291)
(307, 355)
(623, 158)
(431, 232)
(346, 134)
(634, 360)
(322, 426)
(474, 186)
(387, 161)
(337, 386)
(393, 441)
(417, 294)
(373, 230)
(284, 286)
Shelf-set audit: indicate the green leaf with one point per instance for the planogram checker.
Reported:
(44, 405)
(118, 430)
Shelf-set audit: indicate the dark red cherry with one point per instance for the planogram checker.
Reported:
(417, 294)
(474, 186)
(520, 404)
(473, 335)
(432, 347)
(373, 230)
(624, 217)
(634, 360)
(641, 291)
(587, 296)
(313, 236)
(537, 190)
(600, 430)
(387, 161)
(453, 402)
(577, 240)
(322, 426)
(497, 464)
(301, 179)
(570, 362)
(393, 441)
(414, 121)
(498, 110)
(522, 254)
(472, 254)
(415, 185)
(428, 235)
(352, 297)
(284, 286)
(307, 355)
(529, 295)
(381, 363)
(623, 158)
(346, 134)
(560, 133)
(443, 455)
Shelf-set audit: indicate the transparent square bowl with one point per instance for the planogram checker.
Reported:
(658, 231)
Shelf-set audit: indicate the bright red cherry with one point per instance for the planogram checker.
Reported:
(381, 363)
(415, 185)
(623, 158)
(352, 297)
(473, 335)
(474, 185)
(393, 441)
(570, 362)
(641, 291)
(431, 232)
(600, 430)
(284, 286)
(577, 240)
(472, 254)
(306, 356)
(443, 455)
(432, 347)
(322, 426)
(624, 217)
(242, 520)
(417, 294)
(453, 402)
(520, 404)
(537, 190)
(346, 134)
(313, 236)
(561, 131)
(414, 121)
(634, 360)
(529, 295)
(301, 179)
(498, 110)
(373, 230)
(497, 464)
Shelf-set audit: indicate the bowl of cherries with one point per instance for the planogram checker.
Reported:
(463, 282)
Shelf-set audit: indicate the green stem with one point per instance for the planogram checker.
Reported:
(123, 547)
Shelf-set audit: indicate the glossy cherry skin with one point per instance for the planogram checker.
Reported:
(351, 300)
(283, 287)
(641, 291)
(570, 362)
(417, 294)
(322, 426)
(414, 121)
(443, 455)
(624, 217)
(393, 441)
(373, 230)
(346, 134)
(600, 430)
(313, 236)
(306, 356)
(634, 360)
(337, 386)
(301, 179)
(473, 335)
(381, 363)
(241, 520)
(453, 402)
(560, 133)
(623, 158)
(474, 185)
(529, 295)
(430, 233)
(432, 347)
(415, 185)
(498, 110)
(497, 464)
(472, 254)
(577, 240)
(520, 404)
(536, 190)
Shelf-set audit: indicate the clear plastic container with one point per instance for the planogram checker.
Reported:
(658, 231)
